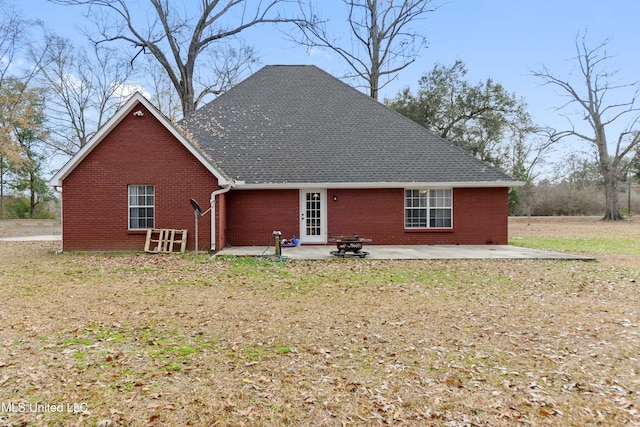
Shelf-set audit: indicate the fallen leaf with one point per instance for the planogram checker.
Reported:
(510, 413)
(545, 412)
(246, 412)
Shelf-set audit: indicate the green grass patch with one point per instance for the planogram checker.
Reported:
(283, 349)
(602, 245)
(174, 367)
(82, 341)
(187, 350)
(80, 355)
(256, 352)
(261, 352)
(112, 334)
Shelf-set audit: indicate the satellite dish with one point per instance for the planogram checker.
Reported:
(196, 206)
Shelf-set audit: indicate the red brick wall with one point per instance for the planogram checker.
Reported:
(140, 150)
(252, 216)
(480, 216)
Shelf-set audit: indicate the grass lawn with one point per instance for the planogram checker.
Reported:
(146, 340)
(579, 235)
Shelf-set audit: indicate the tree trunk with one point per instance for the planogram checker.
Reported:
(374, 37)
(32, 195)
(187, 98)
(185, 87)
(1, 186)
(612, 212)
(187, 105)
(609, 170)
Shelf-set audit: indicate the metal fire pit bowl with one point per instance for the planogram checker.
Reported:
(349, 245)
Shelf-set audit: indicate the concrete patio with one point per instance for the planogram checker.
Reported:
(320, 252)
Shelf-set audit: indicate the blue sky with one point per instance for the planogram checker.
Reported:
(499, 39)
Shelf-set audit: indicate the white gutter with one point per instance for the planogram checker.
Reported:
(213, 213)
(373, 185)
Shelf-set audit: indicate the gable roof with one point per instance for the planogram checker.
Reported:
(126, 109)
(300, 126)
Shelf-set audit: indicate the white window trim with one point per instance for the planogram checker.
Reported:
(427, 208)
(129, 206)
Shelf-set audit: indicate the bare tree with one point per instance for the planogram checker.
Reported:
(162, 93)
(11, 32)
(177, 40)
(84, 90)
(381, 43)
(589, 95)
(226, 68)
(529, 147)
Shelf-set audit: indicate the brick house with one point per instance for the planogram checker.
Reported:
(291, 148)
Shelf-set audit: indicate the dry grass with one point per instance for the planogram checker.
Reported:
(27, 227)
(173, 340)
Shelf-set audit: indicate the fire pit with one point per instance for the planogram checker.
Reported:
(346, 244)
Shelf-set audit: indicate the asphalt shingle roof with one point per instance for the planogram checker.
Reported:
(298, 124)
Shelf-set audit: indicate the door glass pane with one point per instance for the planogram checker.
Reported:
(313, 214)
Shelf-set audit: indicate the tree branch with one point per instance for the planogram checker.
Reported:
(168, 34)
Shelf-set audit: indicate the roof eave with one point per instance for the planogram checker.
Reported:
(56, 180)
(364, 185)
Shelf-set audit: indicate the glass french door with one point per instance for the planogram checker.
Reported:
(313, 216)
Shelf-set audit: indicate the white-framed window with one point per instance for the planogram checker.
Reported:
(141, 206)
(428, 208)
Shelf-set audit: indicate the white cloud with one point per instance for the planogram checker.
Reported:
(318, 52)
(125, 91)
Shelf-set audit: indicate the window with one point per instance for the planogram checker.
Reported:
(427, 208)
(141, 207)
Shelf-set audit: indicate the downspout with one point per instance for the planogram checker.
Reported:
(213, 213)
(58, 189)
